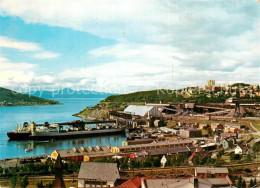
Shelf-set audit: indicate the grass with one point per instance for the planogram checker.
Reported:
(204, 132)
(226, 158)
(257, 126)
(171, 124)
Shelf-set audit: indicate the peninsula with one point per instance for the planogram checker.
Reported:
(13, 98)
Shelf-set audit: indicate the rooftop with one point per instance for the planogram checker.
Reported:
(168, 143)
(98, 150)
(133, 183)
(139, 110)
(99, 171)
(211, 170)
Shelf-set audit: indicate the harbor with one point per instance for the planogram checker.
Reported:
(11, 116)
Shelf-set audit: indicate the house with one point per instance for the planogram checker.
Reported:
(216, 126)
(131, 183)
(93, 174)
(187, 183)
(224, 143)
(170, 131)
(231, 129)
(143, 111)
(242, 149)
(207, 172)
(190, 133)
(228, 135)
(207, 147)
(203, 125)
(238, 150)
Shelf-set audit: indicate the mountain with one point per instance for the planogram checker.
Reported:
(69, 93)
(12, 98)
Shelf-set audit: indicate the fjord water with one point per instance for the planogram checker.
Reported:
(11, 116)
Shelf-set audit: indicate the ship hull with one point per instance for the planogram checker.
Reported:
(18, 136)
(74, 134)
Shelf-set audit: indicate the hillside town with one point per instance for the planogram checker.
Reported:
(167, 145)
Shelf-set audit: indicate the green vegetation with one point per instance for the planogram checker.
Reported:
(164, 96)
(240, 85)
(257, 126)
(119, 102)
(37, 169)
(12, 98)
(148, 161)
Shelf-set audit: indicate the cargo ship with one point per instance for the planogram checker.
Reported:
(68, 130)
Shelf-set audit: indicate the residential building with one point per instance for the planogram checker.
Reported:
(203, 125)
(216, 126)
(242, 149)
(224, 143)
(131, 183)
(190, 133)
(238, 150)
(207, 172)
(228, 135)
(93, 174)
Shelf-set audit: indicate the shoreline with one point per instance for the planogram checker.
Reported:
(30, 105)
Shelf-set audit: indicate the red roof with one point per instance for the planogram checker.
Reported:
(133, 155)
(132, 183)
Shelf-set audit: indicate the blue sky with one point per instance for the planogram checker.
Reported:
(124, 46)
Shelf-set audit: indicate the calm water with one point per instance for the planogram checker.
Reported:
(10, 116)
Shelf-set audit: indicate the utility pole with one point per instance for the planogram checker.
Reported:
(172, 73)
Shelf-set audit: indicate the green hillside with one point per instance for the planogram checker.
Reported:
(119, 102)
(156, 96)
(12, 98)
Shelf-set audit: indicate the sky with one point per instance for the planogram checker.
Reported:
(131, 45)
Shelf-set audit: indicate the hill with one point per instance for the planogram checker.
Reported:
(119, 102)
(164, 96)
(13, 98)
(69, 93)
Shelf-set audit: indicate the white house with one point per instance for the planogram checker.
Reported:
(238, 150)
(163, 161)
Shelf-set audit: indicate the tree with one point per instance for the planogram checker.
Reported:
(248, 158)
(24, 182)
(239, 183)
(243, 183)
(156, 162)
(251, 183)
(219, 163)
(255, 183)
(14, 181)
(40, 184)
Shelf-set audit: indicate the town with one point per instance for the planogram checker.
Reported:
(182, 144)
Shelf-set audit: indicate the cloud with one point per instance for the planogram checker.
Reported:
(149, 67)
(34, 48)
(6, 42)
(208, 42)
(46, 55)
(20, 74)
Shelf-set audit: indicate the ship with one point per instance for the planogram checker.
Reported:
(21, 133)
(67, 130)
